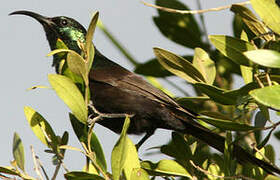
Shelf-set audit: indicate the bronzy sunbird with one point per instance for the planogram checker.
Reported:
(117, 90)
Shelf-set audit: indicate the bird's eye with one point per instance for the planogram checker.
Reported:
(63, 22)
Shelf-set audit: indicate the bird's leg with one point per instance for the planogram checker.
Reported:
(101, 115)
(147, 135)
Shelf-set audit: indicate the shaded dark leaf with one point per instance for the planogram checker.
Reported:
(182, 29)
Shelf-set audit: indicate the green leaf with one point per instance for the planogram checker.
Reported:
(277, 135)
(77, 65)
(264, 57)
(269, 12)
(75, 62)
(178, 66)
(131, 164)
(216, 94)
(260, 119)
(40, 126)
(247, 74)
(80, 175)
(205, 65)
(226, 124)
(70, 94)
(265, 140)
(270, 153)
(139, 174)
(252, 22)
(9, 170)
(182, 29)
(271, 177)
(166, 168)
(120, 152)
(18, 151)
(81, 131)
(268, 96)
(232, 48)
(152, 68)
(90, 32)
(215, 170)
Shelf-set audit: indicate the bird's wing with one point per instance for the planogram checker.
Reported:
(127, 81)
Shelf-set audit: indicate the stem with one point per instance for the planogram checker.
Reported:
(117, 44)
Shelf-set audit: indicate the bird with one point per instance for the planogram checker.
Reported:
(115, 89)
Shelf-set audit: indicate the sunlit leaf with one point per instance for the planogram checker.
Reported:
(18, 151)
(178, 66)
(269, 12)
(252, 22)
(139, 174)
(120, 152)
(70, 94)
(9, 170)
(271, 177)
(40, 126)
(166, 167)
(205, 65)
(132, 162)
(90, 31)
(268, 96)
(232, 48)
(264, 57)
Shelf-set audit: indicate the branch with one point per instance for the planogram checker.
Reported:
(36, 168)
(193, 11)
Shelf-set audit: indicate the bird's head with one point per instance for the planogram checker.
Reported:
(64, 28)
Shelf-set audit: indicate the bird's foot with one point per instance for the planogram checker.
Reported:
(99, 115)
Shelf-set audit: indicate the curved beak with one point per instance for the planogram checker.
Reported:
(45, 21)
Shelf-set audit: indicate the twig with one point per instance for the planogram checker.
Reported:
(268, 79)
(36, 168)
(217, 176)
(43, 169)
(258, 81)
(56, 171)
(193, 11)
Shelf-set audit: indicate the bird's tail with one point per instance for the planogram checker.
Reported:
(218, 142)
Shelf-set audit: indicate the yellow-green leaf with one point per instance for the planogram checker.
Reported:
(40, 126)
(178, 66)
(120, 152)
(264, 57)
(89, 35)
(255, 25)
(166, 167)
(269, 12)
(132, 160)
(139, 174)
(268, 96)
(226, 124)
(232, 48)
(18, 151)
(70, 94)
(205, 65)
